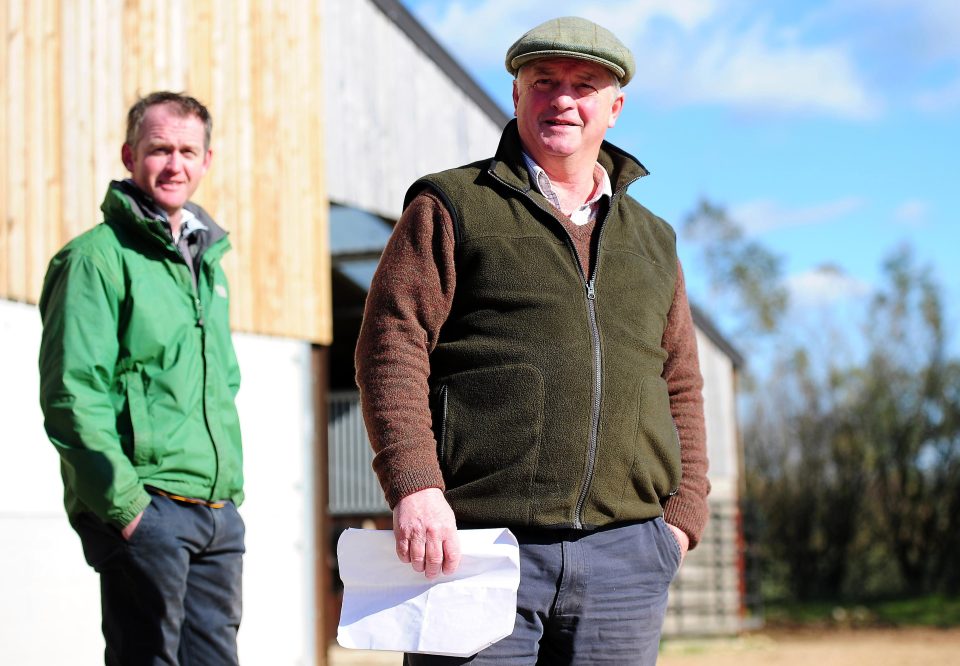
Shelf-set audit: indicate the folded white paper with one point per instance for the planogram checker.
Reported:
(389, 606)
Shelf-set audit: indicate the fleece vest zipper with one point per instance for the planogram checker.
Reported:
(550, 409)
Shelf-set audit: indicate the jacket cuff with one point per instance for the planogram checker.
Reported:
(126, 515)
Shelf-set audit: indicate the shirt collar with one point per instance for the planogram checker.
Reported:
(601, 181)
(190, 223)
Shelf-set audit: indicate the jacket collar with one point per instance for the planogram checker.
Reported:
(508, 165)
(127, 203)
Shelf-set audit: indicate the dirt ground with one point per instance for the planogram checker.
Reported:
(869, 647)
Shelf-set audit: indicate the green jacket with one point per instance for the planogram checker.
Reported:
(137, 369)
(549, 404)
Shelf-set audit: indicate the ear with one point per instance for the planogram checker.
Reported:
(616, 109)
(207, 159)
(516, 95)
(126, 156)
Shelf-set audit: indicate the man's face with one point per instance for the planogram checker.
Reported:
(564, 107)
(169, 158)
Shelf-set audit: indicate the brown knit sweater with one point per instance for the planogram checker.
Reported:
(408, 303)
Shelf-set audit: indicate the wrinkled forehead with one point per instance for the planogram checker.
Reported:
(575, 67)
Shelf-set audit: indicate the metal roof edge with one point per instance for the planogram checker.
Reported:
(703, 322)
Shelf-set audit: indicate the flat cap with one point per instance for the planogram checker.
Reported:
(572, 37)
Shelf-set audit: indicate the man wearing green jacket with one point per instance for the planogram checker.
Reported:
(138, 378)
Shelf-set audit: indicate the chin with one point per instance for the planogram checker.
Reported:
(559, 151)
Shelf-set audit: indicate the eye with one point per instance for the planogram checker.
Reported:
(586, 88)
(543, 85)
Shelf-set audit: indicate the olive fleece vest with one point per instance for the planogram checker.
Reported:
(548, 403)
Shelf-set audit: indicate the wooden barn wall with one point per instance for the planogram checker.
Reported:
(393, 115)
(69, 69)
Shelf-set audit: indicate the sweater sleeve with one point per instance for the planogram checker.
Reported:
(409, 301)
(687, 509)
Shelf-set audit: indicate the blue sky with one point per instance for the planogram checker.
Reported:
(829, 129)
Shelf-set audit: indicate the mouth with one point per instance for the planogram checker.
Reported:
(560, 122)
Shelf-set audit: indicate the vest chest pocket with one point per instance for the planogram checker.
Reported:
(488, 424)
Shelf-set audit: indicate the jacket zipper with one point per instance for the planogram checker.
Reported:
(597, 389)
(590, 286)
(597, 369)
(443, 421)
(193, 274)
(195, 277)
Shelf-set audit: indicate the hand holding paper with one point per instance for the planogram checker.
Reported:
(426, 532)
(389, 606)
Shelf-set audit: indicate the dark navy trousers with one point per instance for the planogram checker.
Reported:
(171, 594)
(585, 597)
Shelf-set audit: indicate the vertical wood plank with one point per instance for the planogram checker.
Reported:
(199, 64)
(51, 135)
(321, 328)
(132, 45)
(114, 104)
(16, 147)
(174, 43)
(34, 222)
(5, 104)
(79, 126)
(265, 167)
(71, 69)
(242, 53)
(102, 154)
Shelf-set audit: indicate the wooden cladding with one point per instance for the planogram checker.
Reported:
(70, 69)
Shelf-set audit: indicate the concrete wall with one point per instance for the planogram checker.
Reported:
(50, 612)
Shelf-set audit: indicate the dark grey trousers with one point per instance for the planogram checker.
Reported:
(171, 594)
(585, 597)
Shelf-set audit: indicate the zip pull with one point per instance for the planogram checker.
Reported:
(591, 293)
(199, 310)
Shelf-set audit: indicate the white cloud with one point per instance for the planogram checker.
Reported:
(479, 33)
(763, 215)
(758, 69)
(824, 285)
(688, 51)
(940, 100)
(921, 30)
(908, 48)
(912, 212)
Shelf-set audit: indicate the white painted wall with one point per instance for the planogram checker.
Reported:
(50, 612)
(720, 414)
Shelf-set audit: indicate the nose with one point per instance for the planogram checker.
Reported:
(563, 97)
(174, 161)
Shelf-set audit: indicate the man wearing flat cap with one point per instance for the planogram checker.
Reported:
(528, 359)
